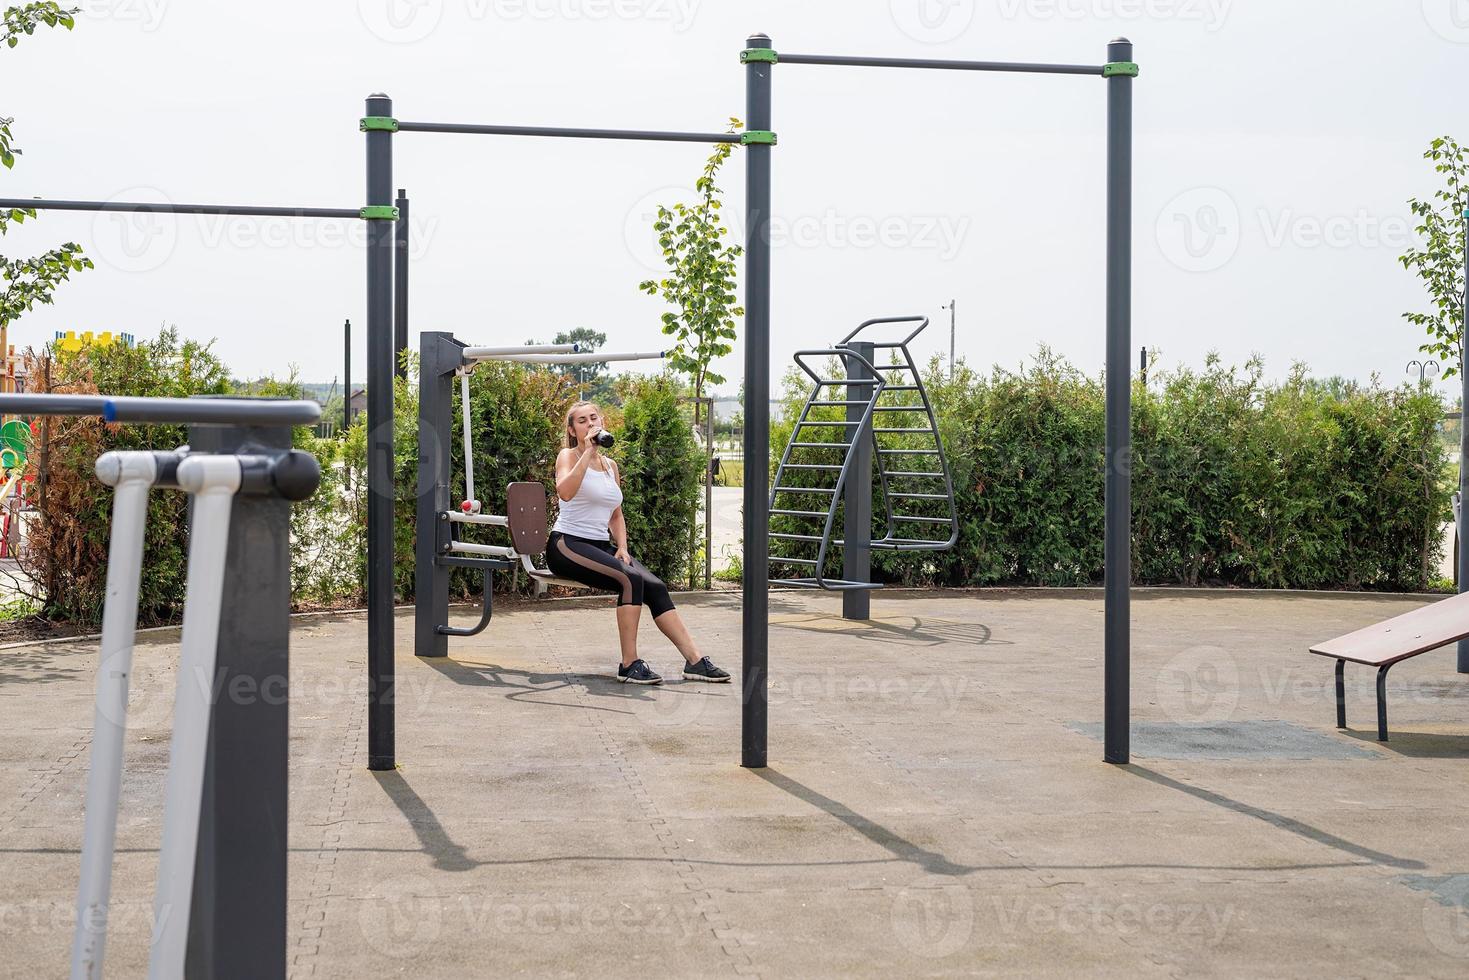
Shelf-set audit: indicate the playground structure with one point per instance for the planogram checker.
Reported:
(220, 896)
(897, 447)
(387, 282)
(442, 359)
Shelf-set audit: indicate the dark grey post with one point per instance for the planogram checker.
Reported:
(438, 356)
(755, 626)
(380, 696)
(237, 922)
(857, 529)
(400, 285)
(1464, 439)
(1118, 544)
(346, 375)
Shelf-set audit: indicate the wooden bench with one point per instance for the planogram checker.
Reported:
(1392, 641)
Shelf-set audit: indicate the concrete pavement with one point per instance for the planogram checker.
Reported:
(936, 804)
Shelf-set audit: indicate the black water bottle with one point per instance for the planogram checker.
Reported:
(604, 439)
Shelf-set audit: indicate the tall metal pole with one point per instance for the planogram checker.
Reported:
(755, 625)
(346, 375)
(380, 235)
(1118, 544)
(857, 509)
(400, 285)
(953, 322)
(1464, 437)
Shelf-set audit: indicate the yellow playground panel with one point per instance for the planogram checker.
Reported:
(72, 343)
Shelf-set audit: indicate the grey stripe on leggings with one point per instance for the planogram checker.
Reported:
(609, 570)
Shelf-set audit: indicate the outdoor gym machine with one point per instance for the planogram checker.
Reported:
(760, 59)
(441, 359)
(220, 898)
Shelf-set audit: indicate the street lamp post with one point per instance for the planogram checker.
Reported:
(950, 307)
(1427, 370)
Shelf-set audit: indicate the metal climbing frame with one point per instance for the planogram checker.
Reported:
(862, 445)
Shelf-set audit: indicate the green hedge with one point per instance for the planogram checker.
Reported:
(517, 412)
(1236, 481)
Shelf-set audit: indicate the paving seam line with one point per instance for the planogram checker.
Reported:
(703, 899)
(306, 941)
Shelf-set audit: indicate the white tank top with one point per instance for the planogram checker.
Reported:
(587, 514)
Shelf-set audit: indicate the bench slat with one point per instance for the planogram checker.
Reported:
(1427, 628)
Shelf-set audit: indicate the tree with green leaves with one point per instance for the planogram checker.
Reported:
(590, 341)
(1439, 258)
(27, 282)
(702, 270)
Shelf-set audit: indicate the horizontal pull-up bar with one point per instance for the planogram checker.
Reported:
(489, 353)
(43, 204)
(940, 64)
(204, 411)
(561, 132)
(593, 358)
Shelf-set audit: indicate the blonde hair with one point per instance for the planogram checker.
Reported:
(571, 441)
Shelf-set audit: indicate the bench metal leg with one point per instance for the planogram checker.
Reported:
(484, 619)
(1382, 703)
(1341, 695)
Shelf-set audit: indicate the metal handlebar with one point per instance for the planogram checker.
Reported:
(922, 322)
(203, 410)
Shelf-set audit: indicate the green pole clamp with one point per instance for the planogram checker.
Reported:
(758, 137)
(1128, 68)
(378, 212)
(384, 123)
(766, 55)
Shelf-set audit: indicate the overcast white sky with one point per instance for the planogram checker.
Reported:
(1277, 144)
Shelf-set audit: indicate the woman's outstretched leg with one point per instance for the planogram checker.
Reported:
(671, 625)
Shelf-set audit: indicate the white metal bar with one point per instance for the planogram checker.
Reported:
(468, 439)
(495, 520)
(596, 358)
(488, 550)
(132, 474)
(213, 480)
(489, 353)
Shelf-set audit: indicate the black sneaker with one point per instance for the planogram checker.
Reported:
(638, 672)
(705, 670)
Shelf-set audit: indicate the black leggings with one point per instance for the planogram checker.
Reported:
(595, 563)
